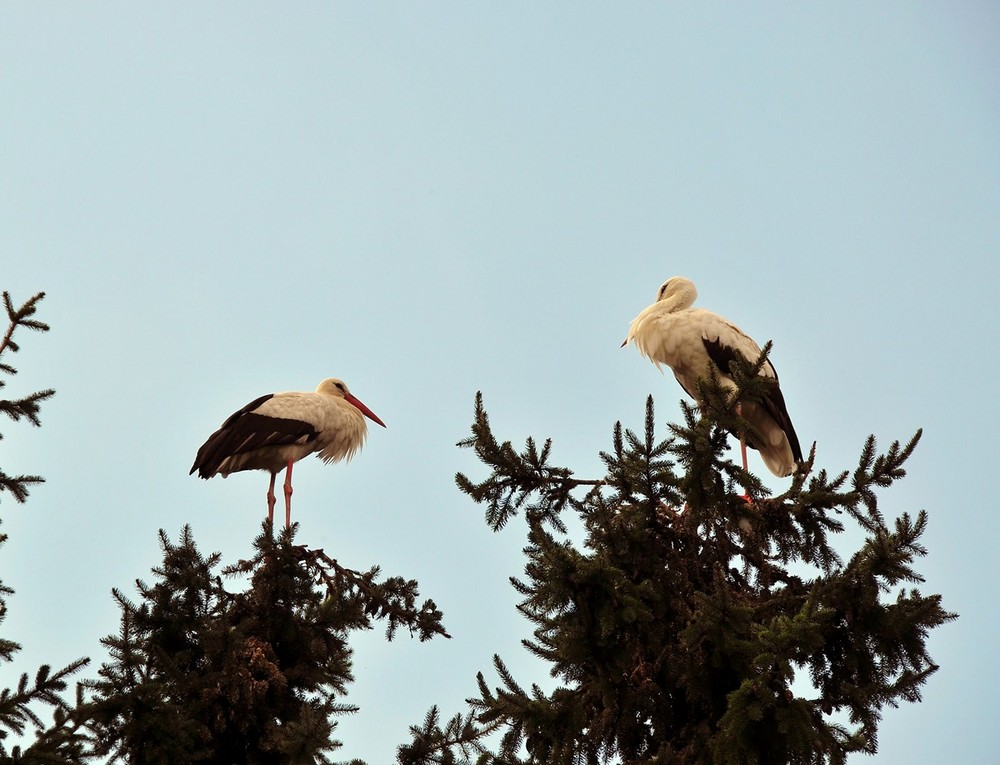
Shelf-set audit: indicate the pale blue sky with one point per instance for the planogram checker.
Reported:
(427, 199)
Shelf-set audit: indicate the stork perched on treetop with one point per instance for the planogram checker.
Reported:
(275, 431)
(691, 341)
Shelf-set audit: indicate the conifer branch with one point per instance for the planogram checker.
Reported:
(433, 744)
(19, 317)
(677, 626)
(16, 713)
(517, 478)
(200, 674)
(393, 599)
(29, 406)
(641, 466)
(18, 485)
(26, 407)
(61, 741)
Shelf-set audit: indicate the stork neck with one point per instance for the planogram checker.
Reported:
(680, 300)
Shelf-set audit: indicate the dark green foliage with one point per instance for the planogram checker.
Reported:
(28, 406)
(61, 742)
(460, 740)
(202, 674)
(676, 627)
(199, 673)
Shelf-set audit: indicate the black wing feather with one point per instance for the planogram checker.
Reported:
(773, 402)
(723, 355)
(246, 431)
(774, 405)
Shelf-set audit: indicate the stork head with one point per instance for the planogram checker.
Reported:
(338, 389)
(680, 293)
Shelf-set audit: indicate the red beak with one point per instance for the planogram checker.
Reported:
(364, 409)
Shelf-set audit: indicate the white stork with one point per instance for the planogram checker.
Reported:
(690, 341)
(275, 431)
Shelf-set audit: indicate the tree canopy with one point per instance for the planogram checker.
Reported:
(698, 619)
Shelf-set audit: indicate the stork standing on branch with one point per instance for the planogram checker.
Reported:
(275, 431)
(691, 341)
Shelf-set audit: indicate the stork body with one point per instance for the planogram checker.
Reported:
(691, 341)
(275, 431)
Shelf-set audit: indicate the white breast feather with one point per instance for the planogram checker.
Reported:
(341, 426)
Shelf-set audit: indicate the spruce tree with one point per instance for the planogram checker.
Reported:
(60, 742)
(690, 625)
(202, 673)
(199, 673)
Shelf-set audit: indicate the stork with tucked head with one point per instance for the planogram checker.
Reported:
(275, 431)
(691, 341)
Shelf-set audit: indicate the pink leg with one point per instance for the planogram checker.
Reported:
(743, 441)
(288, 494)
(270, 498)
(743, 451)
